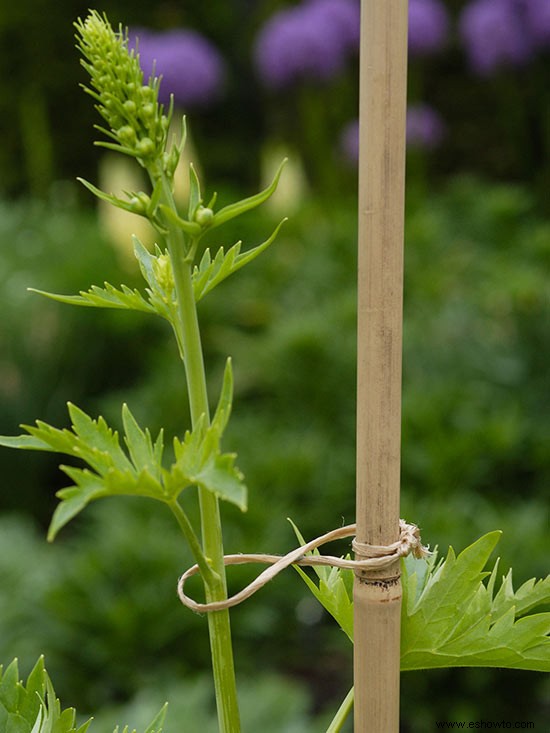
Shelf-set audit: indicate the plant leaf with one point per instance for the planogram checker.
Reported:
(157, 271)
(456, 620)
(451, 617)
(240, 207)
(138, 470)
(114, 472)
(335, 589)
(210, 273)
(200, 461)
(9, 681)
(161, 297)
(33, 708)
(155, 726)
(106, 297)
(146, 456)
(110, 198)
(195, 198)
(223, 410)
(23, 441)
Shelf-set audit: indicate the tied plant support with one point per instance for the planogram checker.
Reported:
(452, 612)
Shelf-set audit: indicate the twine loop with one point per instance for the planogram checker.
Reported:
(369, 557)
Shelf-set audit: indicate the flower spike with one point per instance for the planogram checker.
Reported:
(135, 119)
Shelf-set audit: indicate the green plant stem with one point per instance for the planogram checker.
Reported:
(212, 541)
(185, 525)
(342, 714)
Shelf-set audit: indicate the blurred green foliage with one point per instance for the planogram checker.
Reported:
(101, 603)
(283, 708)
(49, 356)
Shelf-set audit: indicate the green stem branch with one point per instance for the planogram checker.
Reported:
(208, 575)
(342, 714)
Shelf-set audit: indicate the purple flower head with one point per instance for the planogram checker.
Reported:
(425, 128)
(428, 26)
(344, 15)
(191, 68)
(311, 40)
(537, 20)
(494, 33)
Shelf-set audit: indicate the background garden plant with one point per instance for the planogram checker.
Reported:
(529, 285)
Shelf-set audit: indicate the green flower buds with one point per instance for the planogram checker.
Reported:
(127, 135)
(145, 148)
(204, 216)
(131, 109)
(140, 203)
(162, 269)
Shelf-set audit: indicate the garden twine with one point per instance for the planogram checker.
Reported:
(373, 557)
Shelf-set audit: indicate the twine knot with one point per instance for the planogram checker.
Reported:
(368, 557)
(409, 542)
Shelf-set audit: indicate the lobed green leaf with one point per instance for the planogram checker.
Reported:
(146, 455)
(157, 271)
(199, 461)
(210, 273)
(106, 297)
(454, 619)
(451, 617)
(138, 470)
(33, 708)
(160, 299)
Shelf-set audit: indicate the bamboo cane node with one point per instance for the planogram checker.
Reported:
(369, 558)
(383, 583)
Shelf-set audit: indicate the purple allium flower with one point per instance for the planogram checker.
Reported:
(428, 26)
(191, 68)
(310, 40)
(345, 15)
(495, 33)
(425, 127)
(537, 20)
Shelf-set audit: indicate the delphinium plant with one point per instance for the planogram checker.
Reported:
(178, 277)
(450, 617)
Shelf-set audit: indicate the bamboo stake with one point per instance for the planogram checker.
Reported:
(377, 595)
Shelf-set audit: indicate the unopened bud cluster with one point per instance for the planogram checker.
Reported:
(162, 270)
(130, 107)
